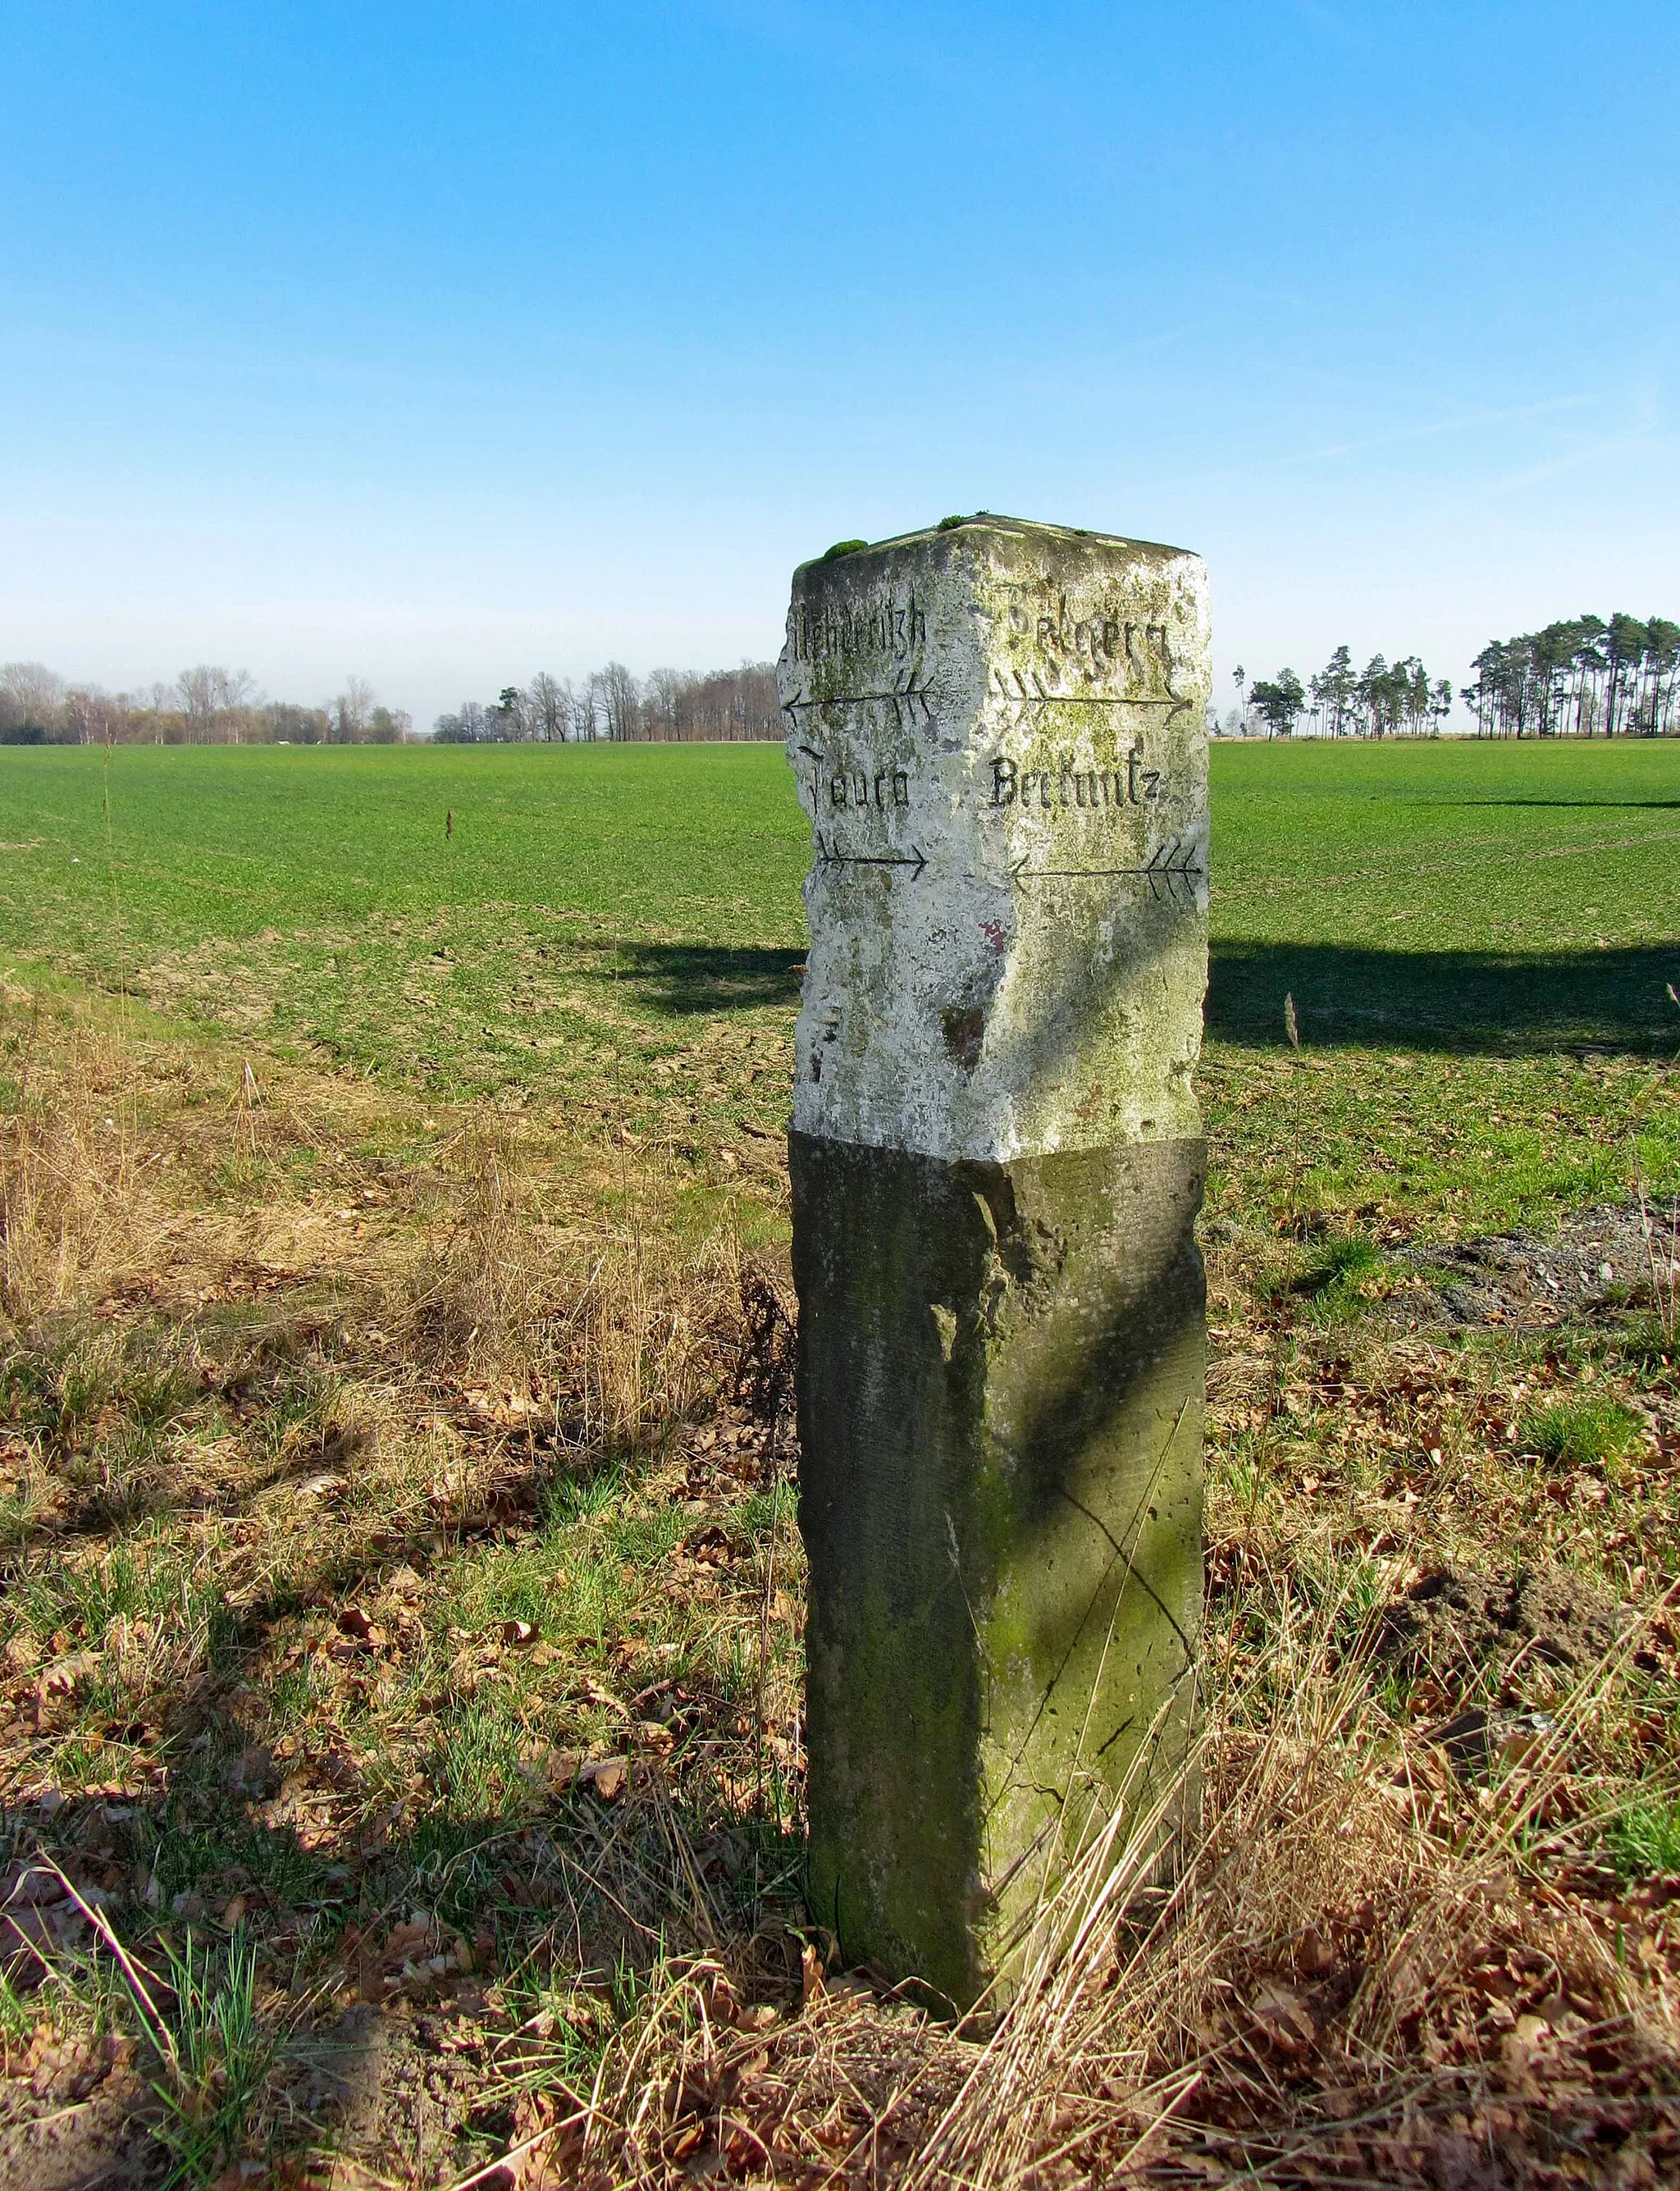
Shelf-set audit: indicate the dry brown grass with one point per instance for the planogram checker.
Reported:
(1313, 1965)
(393, 1550)
(71, 1199)
(619, 1326)
(1362, 1973)
(480, 1302)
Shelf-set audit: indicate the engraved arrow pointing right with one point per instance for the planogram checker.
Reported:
(915, 859)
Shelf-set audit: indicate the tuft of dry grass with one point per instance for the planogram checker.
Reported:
(479, 1297)
(620, 1325)
(70, 1200)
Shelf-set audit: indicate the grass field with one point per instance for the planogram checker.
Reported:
(400, 1623)
(619, 931)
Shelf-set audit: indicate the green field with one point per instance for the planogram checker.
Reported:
(618, 931)
(398, 1570)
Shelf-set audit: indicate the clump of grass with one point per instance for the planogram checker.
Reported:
(1643, 1341)
(1338, 1276)
(300, 1408)
(480, 1756)
(515, 1584)
(1342, 1263)
(1644, 1839)
(646, 1537)
(154, 1610)
(1583, 1433)
(567, 1500)
(17, 2014)
(217, 2056)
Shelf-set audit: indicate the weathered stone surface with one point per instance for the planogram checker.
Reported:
(998, 730)
(1000, 1429)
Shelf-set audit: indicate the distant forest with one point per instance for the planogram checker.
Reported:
(667, 704)
(206, 706)
(1580, 677)
(213, 705)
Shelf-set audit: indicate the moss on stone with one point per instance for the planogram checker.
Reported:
(1000, 1496)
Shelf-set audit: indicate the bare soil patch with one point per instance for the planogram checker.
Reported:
(1594, 1260)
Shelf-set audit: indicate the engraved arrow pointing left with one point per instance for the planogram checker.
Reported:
(1170, 866)
(908, 695)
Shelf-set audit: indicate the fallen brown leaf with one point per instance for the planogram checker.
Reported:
(1284, 2018)
(605, 1776)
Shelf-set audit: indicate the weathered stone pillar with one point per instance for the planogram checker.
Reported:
(998, 729)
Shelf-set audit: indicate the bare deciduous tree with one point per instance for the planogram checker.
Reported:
(350, 710)
(30, 696)
(91, 717)
(467, 727)
(620, 698)
(210, 697)
(550, 703)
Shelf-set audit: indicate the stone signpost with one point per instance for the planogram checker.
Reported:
(998, 729)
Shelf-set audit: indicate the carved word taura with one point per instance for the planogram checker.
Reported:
(890, 787)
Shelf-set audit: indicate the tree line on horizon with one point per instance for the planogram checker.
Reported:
(1580, 677)
(674, 705)
(1385, 699)
(206, 705)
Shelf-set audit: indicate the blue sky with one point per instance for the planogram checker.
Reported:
(442, 343)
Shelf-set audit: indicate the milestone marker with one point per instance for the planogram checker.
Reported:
(999, 732)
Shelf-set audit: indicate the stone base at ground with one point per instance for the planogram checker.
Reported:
(1000, 1428)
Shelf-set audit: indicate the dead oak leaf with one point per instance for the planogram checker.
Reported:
(1284, 2018)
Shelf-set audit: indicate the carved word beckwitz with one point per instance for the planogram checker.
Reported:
(1133, 785)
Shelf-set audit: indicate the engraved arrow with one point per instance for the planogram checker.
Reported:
(1167, 866)
(1038, 697)
(907, 694)
(915, 858)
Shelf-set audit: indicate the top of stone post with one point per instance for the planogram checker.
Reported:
(998, 729)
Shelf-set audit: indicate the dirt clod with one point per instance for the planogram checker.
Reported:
(1458, 1623)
